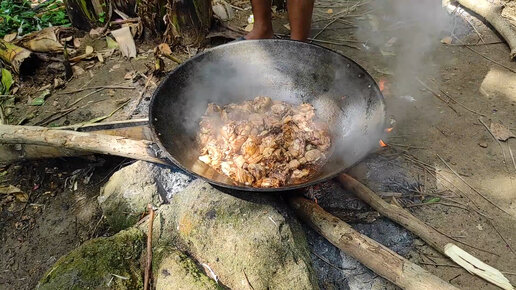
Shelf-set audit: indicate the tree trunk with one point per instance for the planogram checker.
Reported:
(86, 15)
(188, 21)
(151, 14)
(20, 59)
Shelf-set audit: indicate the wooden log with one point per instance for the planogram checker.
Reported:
(20, 59)
(81, 141)
(373, 255)
(492, 13)
(431, 236)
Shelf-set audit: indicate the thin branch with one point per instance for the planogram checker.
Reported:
(462, 105)
(148, 265)
(486, 57)
(472, 188)
(99, 87)
(437, 95)
(496, 139)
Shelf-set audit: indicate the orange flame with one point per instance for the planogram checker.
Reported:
(382, 143)
(388, 130)
(381, 85)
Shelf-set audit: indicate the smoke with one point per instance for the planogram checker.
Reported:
(406, 33)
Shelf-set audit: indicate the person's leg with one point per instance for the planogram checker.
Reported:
(300, 18)
(262, 20)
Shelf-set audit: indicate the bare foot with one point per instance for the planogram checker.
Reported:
(260, 33)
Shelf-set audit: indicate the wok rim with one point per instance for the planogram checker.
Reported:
(163, 152)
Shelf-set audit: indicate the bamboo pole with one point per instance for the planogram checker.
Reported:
(373, 255)
(430, 235)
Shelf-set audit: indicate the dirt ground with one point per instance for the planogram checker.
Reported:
(61, 211)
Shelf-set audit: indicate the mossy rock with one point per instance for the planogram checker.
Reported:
(102, 263)
(244, 239)
(177, 271)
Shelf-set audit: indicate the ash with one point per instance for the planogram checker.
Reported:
(171, 180)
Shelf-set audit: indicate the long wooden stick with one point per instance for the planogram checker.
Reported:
(373, 255)
(148, 265)
(427, 233)
(81, 141)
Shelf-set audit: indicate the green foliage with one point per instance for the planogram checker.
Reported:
(6, 81)
(19, 16)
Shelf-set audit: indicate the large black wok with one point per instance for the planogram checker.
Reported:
(342, 92)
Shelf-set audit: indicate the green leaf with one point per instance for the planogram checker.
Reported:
(111, 43)
(7, 81)
(41, 99)
(432, 200)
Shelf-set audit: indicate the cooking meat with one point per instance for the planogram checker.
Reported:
(263, 143)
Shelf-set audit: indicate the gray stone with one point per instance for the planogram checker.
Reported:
(125, 196)
(243, 239)
(179, 272)
(102, 263)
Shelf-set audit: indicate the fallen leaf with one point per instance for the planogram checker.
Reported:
(501, 132)
(249, 27)
(10, 37)
(96, 32)
(130, 75)
(223, 10)
(44, 40)
(330, 11)
(287, 26)
(89, 50)
(77, 42)
(6, 80)
(11, 189)
(482, 144)
(58, 83)
(77, 70)
(125, 41)
(111, 43)
(447, 40)
(164, 49)
(41, 99)
(100, 57)
(432, 200)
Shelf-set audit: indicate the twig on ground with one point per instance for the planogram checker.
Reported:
(460, 104)
(330, 264)
(85, 96)
(444, 265)
(473, 44)
(324, 28)
(407, 146)
(326, 41)
(475, 29)
(441, 203)
(512, 156)
(99, 87)
(486, 57)
(56, 116)
(472, 188)
(437, 95)
(148, 265)
(142, 94)
(501, 236)
(496, 139)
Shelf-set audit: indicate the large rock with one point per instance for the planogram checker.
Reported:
(102, 263)
(125, 196)
(179, 272)
(244, 240)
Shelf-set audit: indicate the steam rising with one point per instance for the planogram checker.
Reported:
(342, 94)
(412, 31)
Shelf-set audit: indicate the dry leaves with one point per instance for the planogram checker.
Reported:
(13, 190)
(44, 40)
(125, 41)
(501, 132)
(10, 37)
